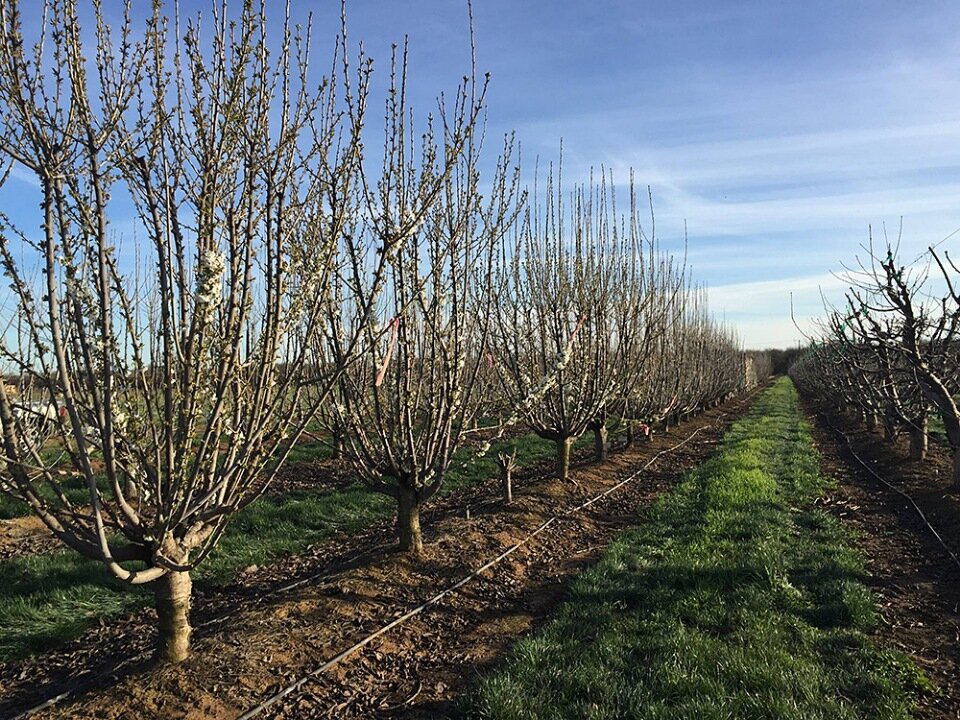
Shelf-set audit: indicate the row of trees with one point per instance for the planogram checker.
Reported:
(277, 276)
(891, 352)
(562, 320)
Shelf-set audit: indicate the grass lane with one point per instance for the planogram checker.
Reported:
(737, 598)
(47, 600)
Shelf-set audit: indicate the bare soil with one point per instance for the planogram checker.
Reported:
(25, 536)
(256, 635)
(914, 578)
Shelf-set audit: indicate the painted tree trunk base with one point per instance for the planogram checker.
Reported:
(172, 594)
(408, 520)
(601, 443)
(506, 484)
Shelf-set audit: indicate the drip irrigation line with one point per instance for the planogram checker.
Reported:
(894, 488)
(132, 660)
(93, 681)
(359, 645)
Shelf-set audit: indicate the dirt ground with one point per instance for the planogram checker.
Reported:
(277, 623)
(258, 635)
(25, 536)
(916, 581)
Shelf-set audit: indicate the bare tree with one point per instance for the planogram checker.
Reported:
(178, 370)
(403, 407)
(892, 350)
(693, 362)
(570, 312)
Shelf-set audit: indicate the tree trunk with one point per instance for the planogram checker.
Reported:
(336, 451)
(630, 434)
(172, 596)
(871, 422)
(919, 439)
(408, 520)
(563, 458)
(889, 430)
(956, 468)
(506, 482)
(600, 443)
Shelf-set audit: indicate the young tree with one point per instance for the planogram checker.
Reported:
(178, 368)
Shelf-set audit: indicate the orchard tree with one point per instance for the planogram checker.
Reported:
(571, 313)
(913, 315)
(892, 349)
(175, 353)
(402, 408)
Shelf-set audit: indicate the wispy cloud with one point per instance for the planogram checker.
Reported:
(771, 313)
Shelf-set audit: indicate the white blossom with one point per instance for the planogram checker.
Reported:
(209, 274)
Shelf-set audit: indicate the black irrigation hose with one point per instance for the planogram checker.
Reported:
(293, 687)
(126, 662)
(899, 491)
(95, 680)
(316, 672)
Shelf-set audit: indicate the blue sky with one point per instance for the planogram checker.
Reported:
(778, 131)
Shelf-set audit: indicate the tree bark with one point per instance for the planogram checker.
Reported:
(408, 520)
(172, 593)
(506, 482)
(871, 422)
(956, 468)
(631, 437)
(336, 450)
(889, 431)
(600, 442)
(919, 439)
(563, 458)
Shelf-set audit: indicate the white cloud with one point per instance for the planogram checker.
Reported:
(761, 310)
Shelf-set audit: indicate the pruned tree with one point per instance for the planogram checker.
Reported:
(892, 349)
(175, 353)
(403, 407)
(923, 334)
(572, 313)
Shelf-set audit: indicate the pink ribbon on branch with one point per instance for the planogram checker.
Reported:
(394, 325)
(573, 335)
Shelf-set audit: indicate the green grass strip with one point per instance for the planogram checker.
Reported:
(738, 598)
(49, 599)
